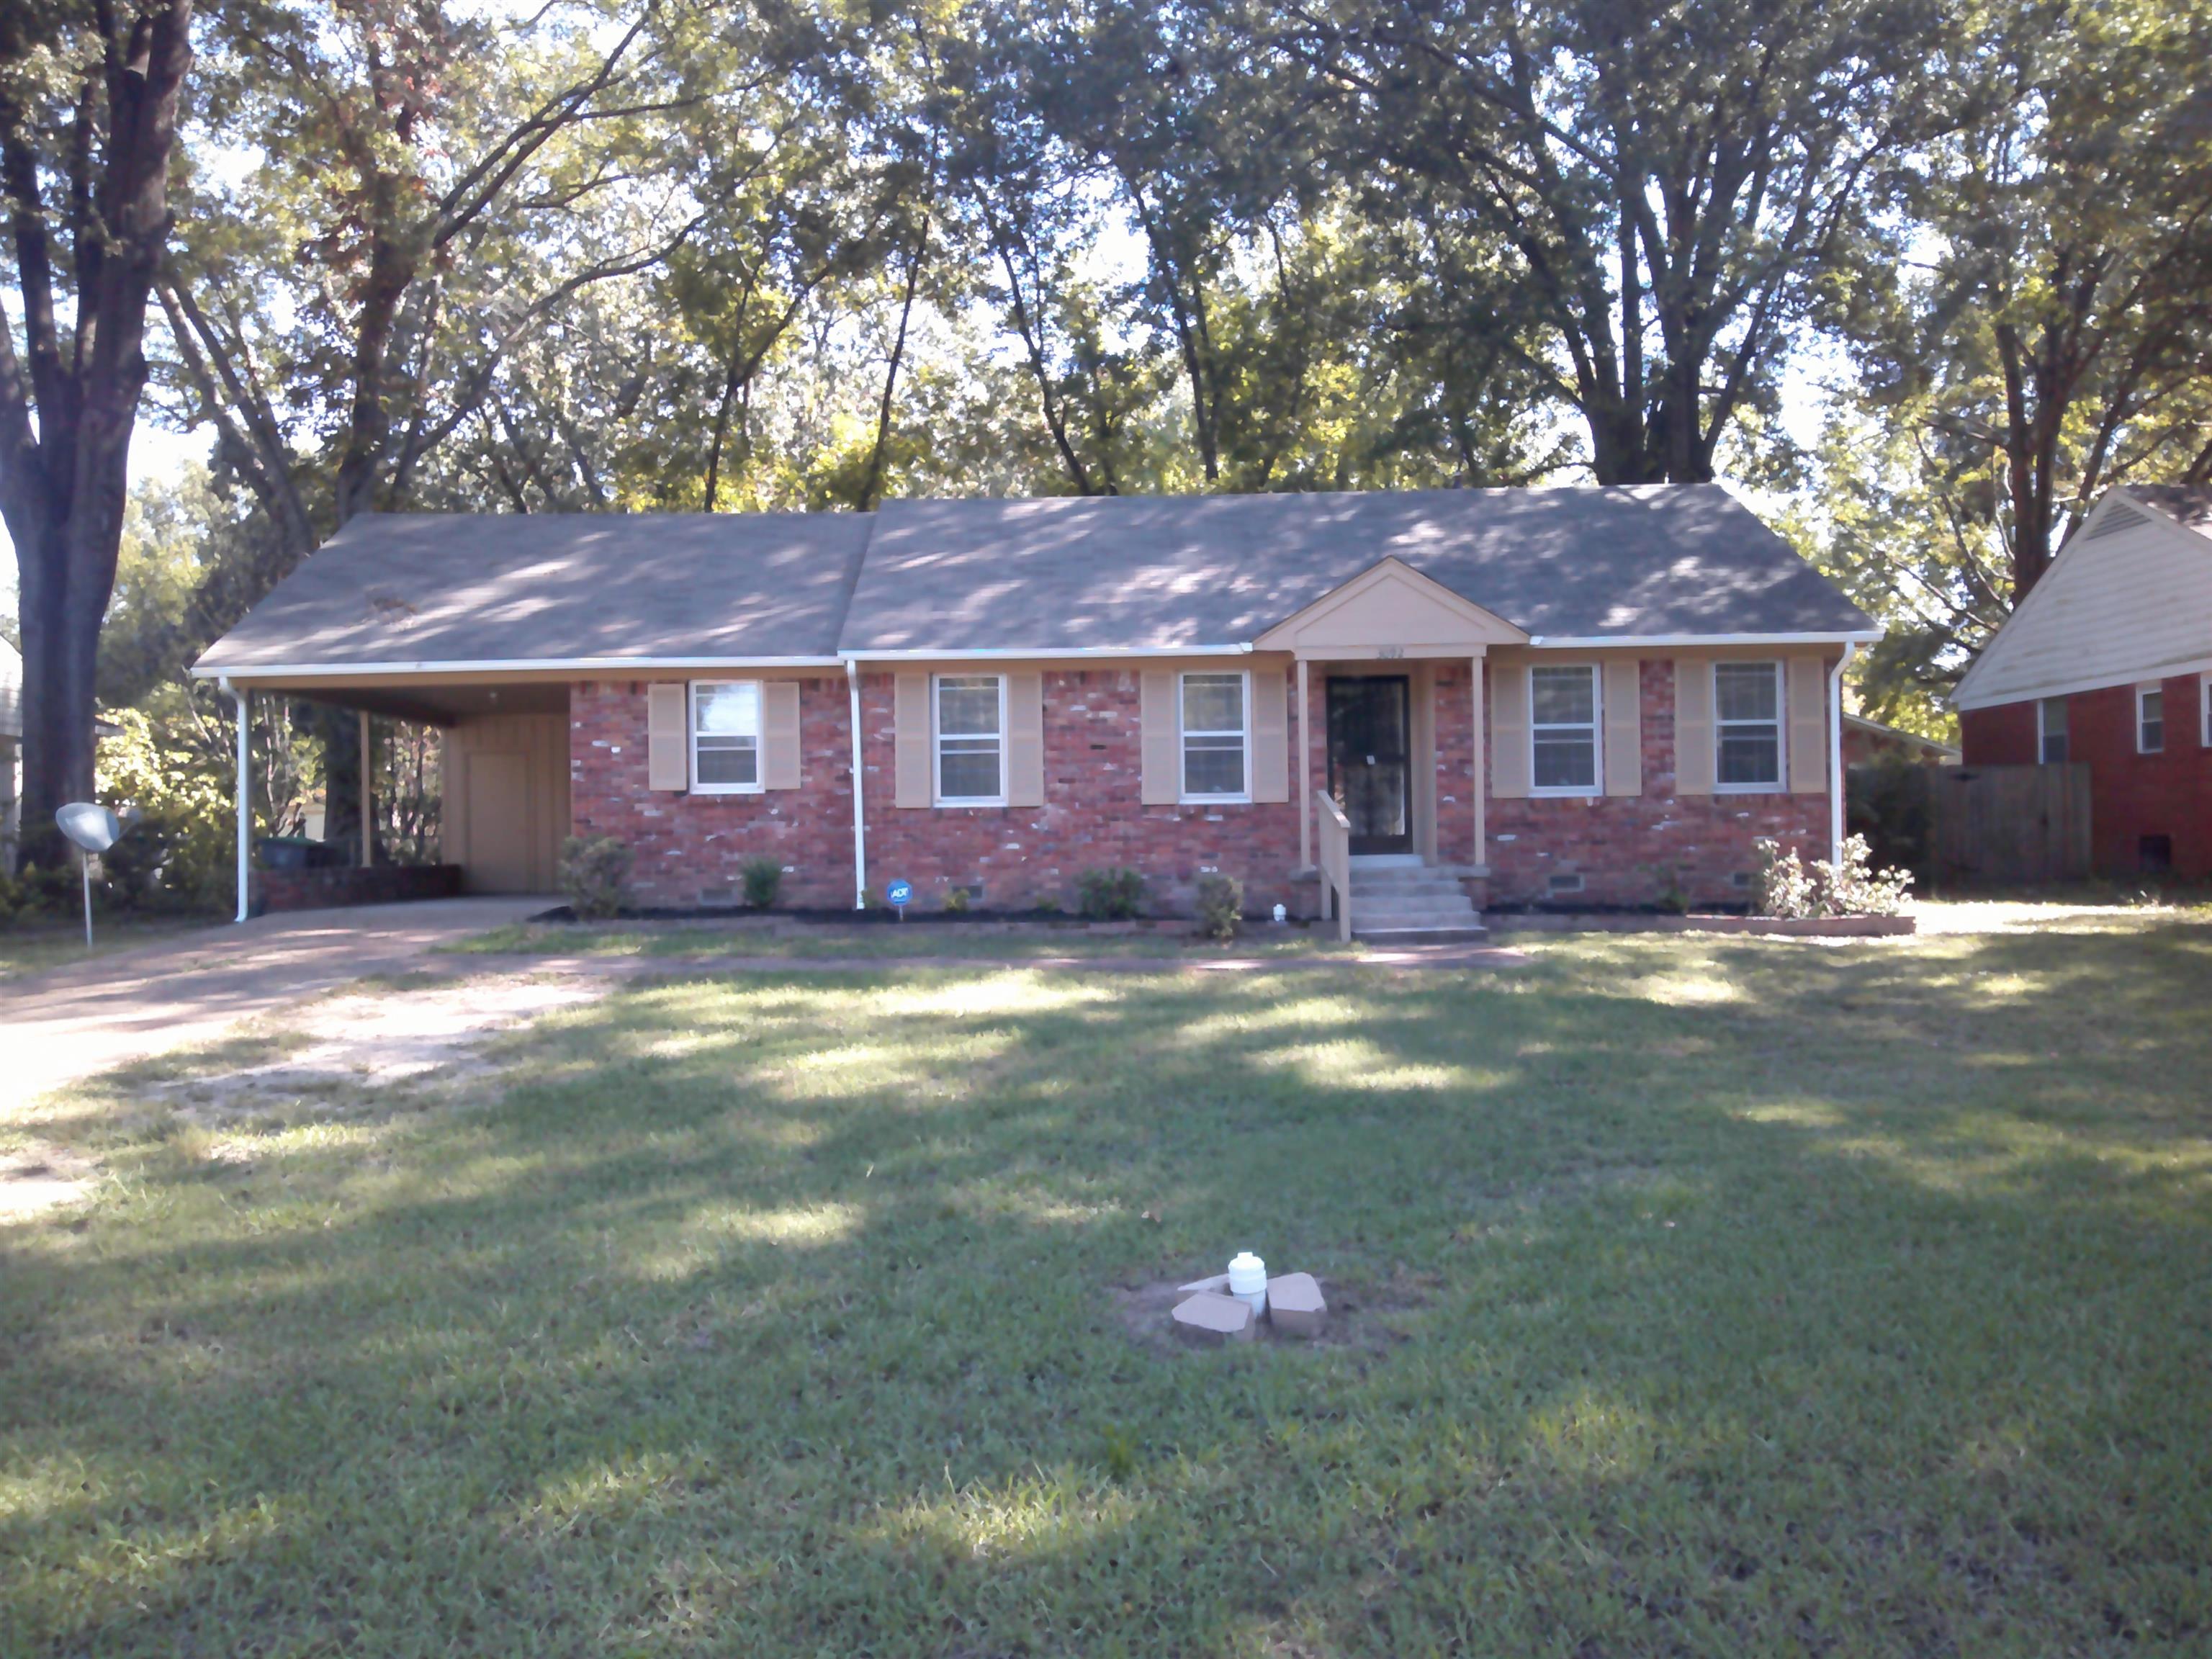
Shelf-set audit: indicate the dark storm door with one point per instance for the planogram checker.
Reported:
(1369, 716)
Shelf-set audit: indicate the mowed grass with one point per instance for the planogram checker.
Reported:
(1701, 1296)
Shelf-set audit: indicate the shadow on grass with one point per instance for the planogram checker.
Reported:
(1739, 1295)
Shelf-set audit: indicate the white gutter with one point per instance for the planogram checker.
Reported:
(1835, 753)
(1598, 642)
(501, 666)
(244, 699)
(1024, 654)
(860, 810)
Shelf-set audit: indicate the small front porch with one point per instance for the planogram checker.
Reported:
(1392, 770)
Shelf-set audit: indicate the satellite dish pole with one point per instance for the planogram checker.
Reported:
(94, 830)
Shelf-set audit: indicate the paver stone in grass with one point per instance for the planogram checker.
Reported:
(1212, 1319)
(1296, 1305)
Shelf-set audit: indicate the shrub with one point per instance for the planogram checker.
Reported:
(1786, 887)
(595, 874)
(1114, 894)
(1220, 907)
(764, 879)
(956, 899)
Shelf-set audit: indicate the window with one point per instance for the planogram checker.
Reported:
(2150, 720)
(1747, 725)
(971, 725)
(2204, 712)
(1563, 727)
(726, 736)
(2051, 732)
(1213, 746)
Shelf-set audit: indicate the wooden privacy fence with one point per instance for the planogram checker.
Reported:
(2002, 825)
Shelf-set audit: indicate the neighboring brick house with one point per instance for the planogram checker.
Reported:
(2107, 662)
(1501, 696)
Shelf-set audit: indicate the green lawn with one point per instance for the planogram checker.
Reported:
(1698, 1297)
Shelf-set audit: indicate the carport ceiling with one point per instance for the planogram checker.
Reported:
(435, 705)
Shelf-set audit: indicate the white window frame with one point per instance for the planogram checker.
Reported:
(1781, 784)
(1184, 733)
(937, 735)
(2205, 711)
(2141, 692)
(1595, 787)
(2043, 732)
(759, 736)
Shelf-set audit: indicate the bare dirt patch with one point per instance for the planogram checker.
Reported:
(1358, 1318)
(416, 1039)
(40, 1177)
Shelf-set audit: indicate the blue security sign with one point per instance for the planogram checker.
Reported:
(899, 895)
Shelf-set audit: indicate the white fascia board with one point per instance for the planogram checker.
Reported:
(1036, 653)
(244, 671)
(2146, 674)
(1679, 642)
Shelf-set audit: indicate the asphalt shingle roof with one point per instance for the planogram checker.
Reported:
(419, 587)
(1048, 575)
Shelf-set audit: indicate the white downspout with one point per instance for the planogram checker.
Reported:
(245, 701)
(1836, 752)
(860, 809)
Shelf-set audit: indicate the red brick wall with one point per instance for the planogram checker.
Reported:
(1092, 817)
(2130, 795)
(1629, 849)
(689, 850)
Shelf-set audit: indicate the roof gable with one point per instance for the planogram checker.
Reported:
(2128, 598)
(1393, 605)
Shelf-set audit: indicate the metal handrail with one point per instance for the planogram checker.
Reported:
(1332, 850)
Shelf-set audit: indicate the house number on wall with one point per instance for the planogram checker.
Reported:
(1389, 653)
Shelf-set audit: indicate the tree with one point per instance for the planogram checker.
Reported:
(2055, 339)
(1675, 187)
(89, 104)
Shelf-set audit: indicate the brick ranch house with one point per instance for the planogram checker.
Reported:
(1480, 696)
(2107, 662)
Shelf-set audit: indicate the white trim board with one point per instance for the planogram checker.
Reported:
(2141, 675)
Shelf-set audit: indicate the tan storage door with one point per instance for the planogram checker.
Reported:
(499, 821)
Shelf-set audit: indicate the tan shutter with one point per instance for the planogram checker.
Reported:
(1509, 731)
(1623, 727)
(1160, 740)
(1693, 726)
(780, 745)
(1808, 727)
(667, 736)
(1271, 736)
(1024, 740)
(910, 738)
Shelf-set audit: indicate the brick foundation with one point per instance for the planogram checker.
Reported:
(330, 889)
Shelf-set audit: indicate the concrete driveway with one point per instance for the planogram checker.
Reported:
(78, 1021)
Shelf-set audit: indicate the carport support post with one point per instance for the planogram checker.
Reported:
(1305, 770)
(368, 816)
(244, 699)
(1835, 753)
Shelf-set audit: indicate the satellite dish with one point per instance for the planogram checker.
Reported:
(90, 826)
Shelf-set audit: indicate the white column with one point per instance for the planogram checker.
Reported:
(860, 812)
(244, 699)
(1481, 783)
(1305, 769)
(1836, 753)
(367, 813)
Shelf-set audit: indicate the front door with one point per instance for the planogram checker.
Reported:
(1368, 719)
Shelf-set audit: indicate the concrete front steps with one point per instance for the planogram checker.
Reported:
(1398, 900)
